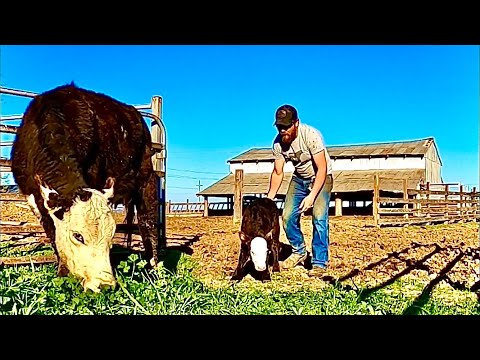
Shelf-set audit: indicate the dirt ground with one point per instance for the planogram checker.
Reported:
(360, 254)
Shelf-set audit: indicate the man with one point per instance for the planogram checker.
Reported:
(310, 186)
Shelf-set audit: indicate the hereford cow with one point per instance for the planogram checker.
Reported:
(259, 237)
(75, 153)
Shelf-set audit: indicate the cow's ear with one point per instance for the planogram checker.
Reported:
(243, 237)
(108, 189)
(51, 198)
(84, 195)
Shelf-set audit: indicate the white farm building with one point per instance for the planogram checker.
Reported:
(354, 167)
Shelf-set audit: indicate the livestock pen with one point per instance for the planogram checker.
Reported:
(426, 204)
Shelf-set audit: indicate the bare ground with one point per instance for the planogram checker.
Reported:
(360, 254)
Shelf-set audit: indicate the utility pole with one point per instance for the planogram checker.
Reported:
(199, 186)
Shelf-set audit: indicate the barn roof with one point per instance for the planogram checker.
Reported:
(343, 181)
(398, 148)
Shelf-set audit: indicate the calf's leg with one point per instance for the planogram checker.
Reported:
(243, 258)
(273, 239)
(275, 255)
(264, 275)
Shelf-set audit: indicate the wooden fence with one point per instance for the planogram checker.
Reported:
(172, 208)
(431, 203)
(205, 208)
(185, 208)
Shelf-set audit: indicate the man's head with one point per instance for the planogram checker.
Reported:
(286, 121)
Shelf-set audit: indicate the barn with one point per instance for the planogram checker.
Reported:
(354, 167)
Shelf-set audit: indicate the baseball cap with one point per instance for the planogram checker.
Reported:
(285, 115)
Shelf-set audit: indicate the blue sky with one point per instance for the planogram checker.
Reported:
(219, 101)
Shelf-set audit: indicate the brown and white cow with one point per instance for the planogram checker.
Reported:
(76, 152)
(259, 240)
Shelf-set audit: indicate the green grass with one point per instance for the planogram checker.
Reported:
(38, 290)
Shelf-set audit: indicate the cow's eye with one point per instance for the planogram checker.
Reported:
(78, 237)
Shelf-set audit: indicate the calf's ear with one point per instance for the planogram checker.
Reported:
(243, 237)
(269, 235)
(108, 189)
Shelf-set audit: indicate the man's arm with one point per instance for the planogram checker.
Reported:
(276, 178)
(320, 176)
(321, 164)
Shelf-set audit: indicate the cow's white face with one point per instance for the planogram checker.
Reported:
(84, 236)
(258, 253)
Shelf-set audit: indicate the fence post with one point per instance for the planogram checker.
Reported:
(427, 197)
(237, 201)
(375, 204)
(405, 197)
(461, 203)
(446, 201)
(338, 206)
(418, 201)
(205, 207)
(475, 202)
(169, 205)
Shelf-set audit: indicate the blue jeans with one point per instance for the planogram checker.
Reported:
(297, 191)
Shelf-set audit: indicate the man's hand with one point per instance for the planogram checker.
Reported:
(276, 178)
(307, 203)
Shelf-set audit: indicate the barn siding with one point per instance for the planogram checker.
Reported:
(433, 166)
(378, 163)
(390, 163)
(260, 167)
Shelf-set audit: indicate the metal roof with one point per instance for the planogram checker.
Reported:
(253, 183)
(398, 148)
(343, 181)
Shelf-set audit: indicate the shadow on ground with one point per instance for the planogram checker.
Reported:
(415, 264)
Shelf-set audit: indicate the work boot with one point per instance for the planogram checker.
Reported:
(317, 271)
(293, 260)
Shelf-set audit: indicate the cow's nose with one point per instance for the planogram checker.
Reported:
(95, 284)
(91, 284)
(107, 279)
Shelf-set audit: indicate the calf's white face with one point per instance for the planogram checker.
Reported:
(258, 253)
(84, 236)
